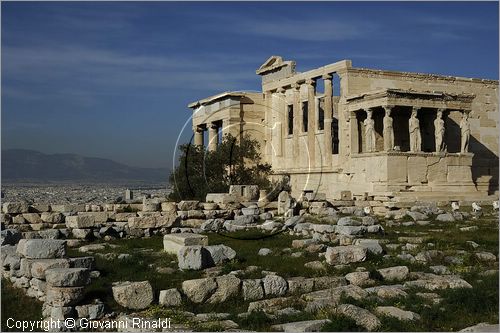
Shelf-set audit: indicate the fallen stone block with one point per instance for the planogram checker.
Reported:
(396, 273)
(66, 296)
(133, 295)
(172, 243)
(274, 285)
(42, 248)
(188, 205)
(341, 255)
(67, 277)
(361, 316)
(302, 326)
(194, 257)
(392, 311)
(170, 297)
(15, 207)
(228, 286)
(220, 253)
(252, 289)
(40, 266)
(199, 290)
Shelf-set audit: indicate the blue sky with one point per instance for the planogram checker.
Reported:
(114, 79)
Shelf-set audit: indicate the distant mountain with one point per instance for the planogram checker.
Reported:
(31, 165)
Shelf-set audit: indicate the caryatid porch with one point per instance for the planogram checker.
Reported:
(411, 140)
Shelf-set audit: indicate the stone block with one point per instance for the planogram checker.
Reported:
(133, 295)
(274, 285)
(220, 253)
(170, 297)
(221, 198)
(42, 248)
(147, 222)
(417, 170)
(81, 221)
(341, 255)
(15, 207)
(82, 262)
(188, 205)
(67, 296)
(193, 257)
(67, 277)
(52, 217)
(123, 217)
(252, 289)
(40, 266)
(228, 286)
(172, 243)
(68, 208)
(199, 290)
(99, 217)
(32, 218)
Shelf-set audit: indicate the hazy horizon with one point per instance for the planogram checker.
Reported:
(113, 79)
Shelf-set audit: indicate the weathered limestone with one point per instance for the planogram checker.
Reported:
(172, 243)
(199, 290)
(42, 248)
(133, 295)
(340, 255)
(67, 277)
(170, 297)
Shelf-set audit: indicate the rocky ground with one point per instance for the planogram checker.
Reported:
(418, 269)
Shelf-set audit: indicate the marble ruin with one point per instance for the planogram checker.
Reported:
(376, 134)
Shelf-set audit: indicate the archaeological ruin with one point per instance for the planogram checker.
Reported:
(345, 133)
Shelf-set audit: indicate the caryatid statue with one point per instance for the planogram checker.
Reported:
(388, 129)
(414, 128)
(465, 132)
(439, 131)
(369, 131)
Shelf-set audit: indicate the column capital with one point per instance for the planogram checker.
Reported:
(197, 129)
(296, 86)
(327, 76)
(213, 126)
(311, 82)
(280, 90)
(388, 107)
(415, 108)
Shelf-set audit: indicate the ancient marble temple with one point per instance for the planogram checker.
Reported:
(346, 132)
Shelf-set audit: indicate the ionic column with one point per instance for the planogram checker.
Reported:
(282, 130)
(388, 129)
(198, 136)
(297, 118)
(213, 138)
(327, 78)
(354, 133)
(268, 97)
(311, 125)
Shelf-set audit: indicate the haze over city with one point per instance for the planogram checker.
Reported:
(113, 80)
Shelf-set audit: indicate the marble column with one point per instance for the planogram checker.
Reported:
(297, 118)
(388, 128)
(281, 127)
(311, 128)
(328, 105)
(213, 137)
(268, 114)
(354, 133)
(198, 136)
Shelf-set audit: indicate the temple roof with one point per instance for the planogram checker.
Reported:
(214, 98)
